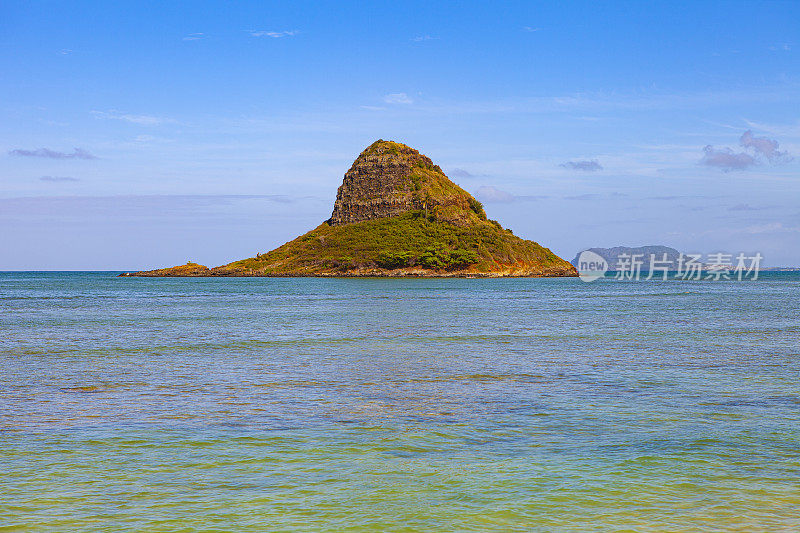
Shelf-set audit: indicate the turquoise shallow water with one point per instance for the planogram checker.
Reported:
(398, 405)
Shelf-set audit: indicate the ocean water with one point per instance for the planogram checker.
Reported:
(398, 405)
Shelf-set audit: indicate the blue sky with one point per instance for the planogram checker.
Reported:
(138, 135)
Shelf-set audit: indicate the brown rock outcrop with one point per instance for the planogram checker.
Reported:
(390, 178)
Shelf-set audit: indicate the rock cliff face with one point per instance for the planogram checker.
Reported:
(397, 214)
(390, 178)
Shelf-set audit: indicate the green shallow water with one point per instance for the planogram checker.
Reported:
(398, 405)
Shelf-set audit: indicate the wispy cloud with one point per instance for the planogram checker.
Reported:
(789, 130)
(772, 227)
(786, 47)
(56, 179)
(593, 103)
(489, 194)
(132, 205)
(531, 197)
(745, 207)
(397, 98)
(46, 153)
(493, 195)
(142, 120)
(591, 165)
(681, 197)
(65, 51)
(421, 38)
(582, 197)
(530, 29)
(194, 37)
(273, 34)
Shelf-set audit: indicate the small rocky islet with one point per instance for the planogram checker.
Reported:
(396, 214)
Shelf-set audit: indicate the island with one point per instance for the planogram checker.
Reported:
(396, 214)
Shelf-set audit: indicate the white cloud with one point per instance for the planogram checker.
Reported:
(726, 159)
(273, 34)
(194, 37)
(762, 145)
(398, 98)
(143, 120)
(421, 38)
(761, 148)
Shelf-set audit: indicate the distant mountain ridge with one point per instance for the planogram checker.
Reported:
(644, 253)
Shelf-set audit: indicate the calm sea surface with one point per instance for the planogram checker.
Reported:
(398, 405)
